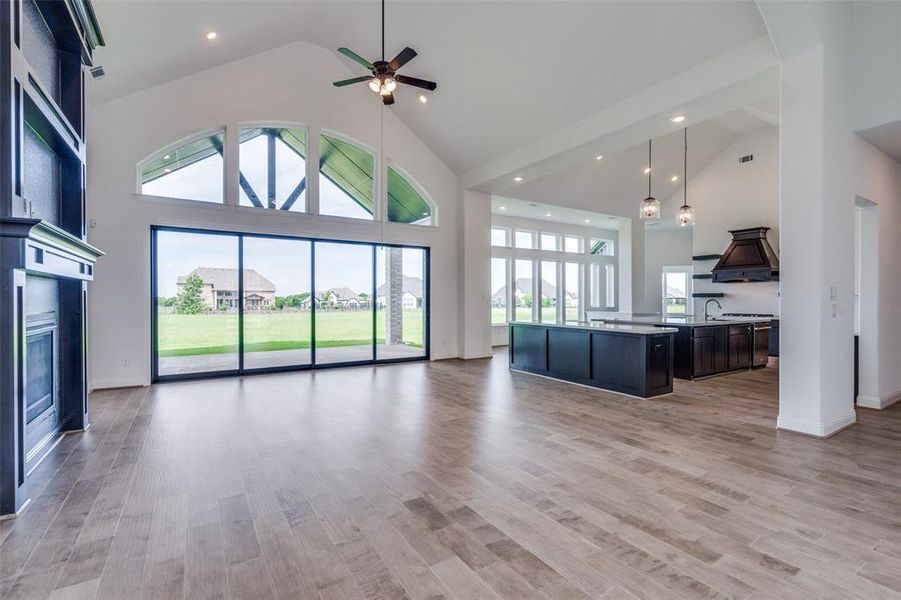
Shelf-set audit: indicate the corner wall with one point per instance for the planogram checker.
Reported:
(292, 83)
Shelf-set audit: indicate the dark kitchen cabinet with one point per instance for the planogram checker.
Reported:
(718, 349)
(739, 347)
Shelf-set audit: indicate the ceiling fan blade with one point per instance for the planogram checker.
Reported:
(355, 57)
(421, 83)
(403, 57)
(352, 80)
(388, 99)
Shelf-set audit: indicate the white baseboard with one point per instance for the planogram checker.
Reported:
(105, 384)
(877, 402)
(817, 428)
(473, 355)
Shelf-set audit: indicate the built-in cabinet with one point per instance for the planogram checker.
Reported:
(45, 260)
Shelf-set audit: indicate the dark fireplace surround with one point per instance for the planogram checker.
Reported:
(51, 335)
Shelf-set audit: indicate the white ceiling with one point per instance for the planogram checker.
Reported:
(885, 137)
(616, 184)
(524, 209)
(507, 72)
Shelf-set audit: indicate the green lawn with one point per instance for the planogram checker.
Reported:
(217, 332)
(499, 315)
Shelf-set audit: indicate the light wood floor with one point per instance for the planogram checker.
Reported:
(457, 480)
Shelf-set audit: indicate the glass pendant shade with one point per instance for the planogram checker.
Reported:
(685, 216)
(375, 85)
(650, 208)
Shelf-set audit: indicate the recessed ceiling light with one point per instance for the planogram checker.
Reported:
(166, 157)
(423, 98)
(168, 170)
(678, 119)
(599, 157)
(517, 179)
(503, 207)
(547, 214)
(212, 35)
(588, 220)
(674, 178)
(647, 170)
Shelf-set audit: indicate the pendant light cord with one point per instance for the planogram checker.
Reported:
(650, 170)
(685, 168)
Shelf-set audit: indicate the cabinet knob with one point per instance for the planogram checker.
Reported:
(658, 347)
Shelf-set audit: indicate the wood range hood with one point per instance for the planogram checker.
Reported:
(748, 258)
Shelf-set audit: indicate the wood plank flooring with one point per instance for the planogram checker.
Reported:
(456, 480)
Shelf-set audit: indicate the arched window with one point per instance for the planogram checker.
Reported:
(406, 204)
(346, 187)
(191, 170)
(273, 168)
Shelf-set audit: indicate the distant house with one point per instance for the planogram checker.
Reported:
(342, 297)
(411, 297)
(523, 286)
(220, 288)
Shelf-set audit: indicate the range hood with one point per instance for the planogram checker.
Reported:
(748, 258)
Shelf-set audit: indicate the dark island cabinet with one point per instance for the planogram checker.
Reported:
(739, 347)
(637, 363)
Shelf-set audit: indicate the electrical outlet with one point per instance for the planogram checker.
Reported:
(124, 362)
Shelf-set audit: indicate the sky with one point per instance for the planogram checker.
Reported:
(286, 263)
(203, 180)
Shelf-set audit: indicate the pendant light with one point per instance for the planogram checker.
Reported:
(650, 206)
(686, 214)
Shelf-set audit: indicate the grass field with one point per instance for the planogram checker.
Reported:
(548, 314)
(217, 332)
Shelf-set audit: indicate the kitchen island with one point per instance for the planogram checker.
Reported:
(633, 359)
(707, 347)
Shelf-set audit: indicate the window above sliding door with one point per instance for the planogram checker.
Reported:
(273, 168)
(188, 170)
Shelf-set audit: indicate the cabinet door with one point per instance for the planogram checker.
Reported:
(703, 351)
(659, 363)
(740, 350)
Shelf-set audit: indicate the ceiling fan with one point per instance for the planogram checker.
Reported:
(384, 78)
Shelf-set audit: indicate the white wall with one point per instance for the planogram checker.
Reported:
(876, 31)
(728, 195)
(292, 84)
(877, 182)
(663, 248)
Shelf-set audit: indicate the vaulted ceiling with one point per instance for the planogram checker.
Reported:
(509, 73)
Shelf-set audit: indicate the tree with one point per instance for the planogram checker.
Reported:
(189, 300)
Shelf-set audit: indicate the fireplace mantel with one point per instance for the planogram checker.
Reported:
(42, 248)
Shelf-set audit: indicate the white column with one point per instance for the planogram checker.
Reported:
(630, 259)
(474, 260)
(816, 240)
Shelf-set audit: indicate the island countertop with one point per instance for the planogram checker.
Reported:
(622, 327)
(689, 321)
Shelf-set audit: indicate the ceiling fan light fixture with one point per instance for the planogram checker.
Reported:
(375, 85)
(390, 84)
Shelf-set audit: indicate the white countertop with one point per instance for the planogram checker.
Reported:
(637, 329)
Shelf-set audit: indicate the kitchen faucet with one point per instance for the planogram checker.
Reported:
(707, 304)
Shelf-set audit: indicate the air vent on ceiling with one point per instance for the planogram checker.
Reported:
(97, 72)
(745, 159)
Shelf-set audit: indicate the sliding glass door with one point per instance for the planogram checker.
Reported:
(344, 319)
(196, 317)
(277, 313)
(400, 300)
(230, 303)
